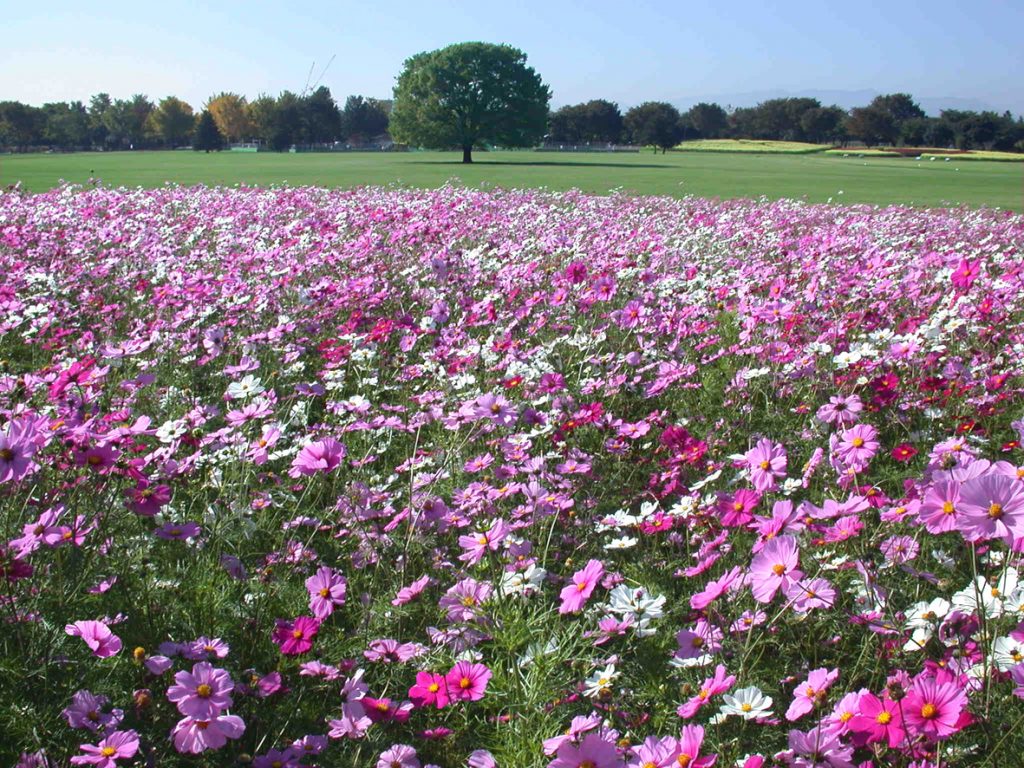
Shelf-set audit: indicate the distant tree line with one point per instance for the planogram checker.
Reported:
(893, 119)
(139, 123)
(315, 118)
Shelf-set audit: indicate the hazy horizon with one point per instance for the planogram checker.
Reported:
(657, 51)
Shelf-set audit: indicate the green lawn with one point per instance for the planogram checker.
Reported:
(815, 177)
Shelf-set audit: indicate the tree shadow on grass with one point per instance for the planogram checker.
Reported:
(542, 163)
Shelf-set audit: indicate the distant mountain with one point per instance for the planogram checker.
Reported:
(932, 105)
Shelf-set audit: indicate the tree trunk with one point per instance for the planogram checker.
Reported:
(467, 154)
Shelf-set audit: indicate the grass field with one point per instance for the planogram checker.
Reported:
(816, 177)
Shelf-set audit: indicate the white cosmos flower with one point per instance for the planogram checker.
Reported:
(1007, 653)
(599, 681)
(623, 542)
(748, 703)
(248, 386)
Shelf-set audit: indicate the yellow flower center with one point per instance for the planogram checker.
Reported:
(468, 601)
(778, 569)
(94, 460)
(108, 751)
(746, 706)
(684, 760)
(948, 508)
(858, 442)
(324, 592)
(883, 718)
(465, 683)
(581, 586)
(995, 511)
(6, 454)
(765, 465)
(204, 691)
(433, 687)
(846, 717)
(929, 711)
(481, 540)
(297, 633)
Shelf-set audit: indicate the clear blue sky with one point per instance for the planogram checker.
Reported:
(629, 52)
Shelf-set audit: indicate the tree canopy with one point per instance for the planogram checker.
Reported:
(654, 123)
(467, 95)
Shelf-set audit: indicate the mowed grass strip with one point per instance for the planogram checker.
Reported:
(816, 178)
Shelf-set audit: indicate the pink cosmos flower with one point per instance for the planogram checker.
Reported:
(716, 588)
(467, 681)
(774, 568)
(17, 447)
(119, 745)
(476, 545)
(203, 693)
(385, 710)
(97, 635)
(881, 720)
(735, 510)
(86, 711)
(481, 758)
(806, 595)
(712, 686)
(938, 511)
(810, 692)
(687, 749)
(191, 736)
(411, 592)
(857, 446)
(840, 411)
(818, 748)
(398, 756)
(933, 709)
(177, 531)
(259, 450)
(463, 600)
(766, 462)
(147, 498)
(296, 637)
(654, 753)
(495, 408)
(431, 689)
(326, 591)
(991, 506)
(593, 752)
(390, 651)
(899, 549)
(578, 591)
(321, 456)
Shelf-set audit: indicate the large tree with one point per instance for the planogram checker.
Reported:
(173, 121)
(595, 121)
(469, 94)
(228, 109)
(709, 121)
(654, 123)
(207, 137)
(323, 118)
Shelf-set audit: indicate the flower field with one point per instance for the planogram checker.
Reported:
(393, 478)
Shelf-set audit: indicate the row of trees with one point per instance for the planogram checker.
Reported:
(473, 95)
(894, 119)
(138, 123)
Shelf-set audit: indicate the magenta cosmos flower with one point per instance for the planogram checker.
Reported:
(467, 681)
(326, 591)
(321, 456)
(191, 736)
(881, 720)
(774, 568)
(577, 592)
(97, 635)
(203, 692)
(120, 745)
(296, 637)
(932, 709)
(431, 689)
(766, 462)
(991, 506)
